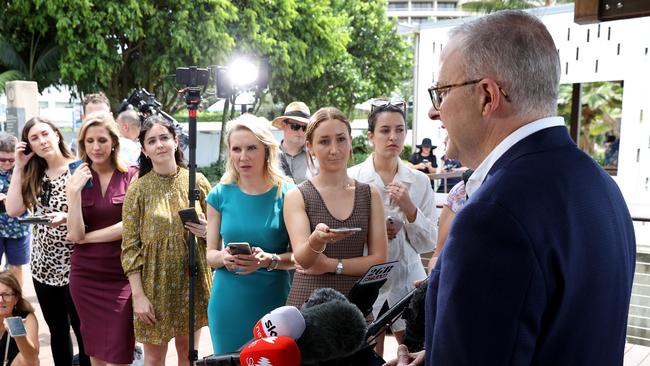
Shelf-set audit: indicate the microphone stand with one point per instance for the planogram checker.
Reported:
(192, 99)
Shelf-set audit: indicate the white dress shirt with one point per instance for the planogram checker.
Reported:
(477, 178)
(414, 238)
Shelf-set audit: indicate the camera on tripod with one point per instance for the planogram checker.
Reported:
(192, 77)
(146, 105)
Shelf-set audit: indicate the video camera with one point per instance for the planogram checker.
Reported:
(146, 105)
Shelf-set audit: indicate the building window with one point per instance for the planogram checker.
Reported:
(398, 6)
(43, 105)
(447, 6)
(421, 5)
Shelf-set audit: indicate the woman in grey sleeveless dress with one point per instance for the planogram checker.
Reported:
(327, 201)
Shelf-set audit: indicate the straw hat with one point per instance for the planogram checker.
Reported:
(295, 111)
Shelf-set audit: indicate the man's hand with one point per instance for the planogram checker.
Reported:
(404, 358)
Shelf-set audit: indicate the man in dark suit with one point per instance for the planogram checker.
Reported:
(538, 266)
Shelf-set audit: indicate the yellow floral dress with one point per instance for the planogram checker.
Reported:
(154, 243)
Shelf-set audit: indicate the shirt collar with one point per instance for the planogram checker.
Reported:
(302, 149)
(477, 178)
(367, 173)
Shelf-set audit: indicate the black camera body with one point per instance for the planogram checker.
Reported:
(192, 76)
(146, 104)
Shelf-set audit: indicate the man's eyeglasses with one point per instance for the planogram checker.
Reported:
(437, 93)
(47, 193)
(7, 296)
(295, 126)
(10, 160)
(386, 104)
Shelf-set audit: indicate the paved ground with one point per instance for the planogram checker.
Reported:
(205, 346)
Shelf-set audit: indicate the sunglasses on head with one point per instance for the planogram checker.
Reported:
(47, 193)
(386, 104)
(9, 160)
(295, 126)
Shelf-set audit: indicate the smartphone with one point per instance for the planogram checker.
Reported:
(16, 327)
(73, 166)
(189, 215)
(37, 220)
(240, 248)
(395, 222)
(28, 149)
(3, 209)
(345, 229)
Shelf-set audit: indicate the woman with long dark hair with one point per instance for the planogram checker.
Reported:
(38, 184)
(154, 246)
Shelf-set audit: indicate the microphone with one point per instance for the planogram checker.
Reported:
(226, 359)
(271, 351)
(365, 291)
(333, 329)
(283, 321)
(393, 313)
(414, 317)
(323, 295)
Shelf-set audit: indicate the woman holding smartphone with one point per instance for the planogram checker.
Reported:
(19, 339)
(154, 246)
(98, 285)
(246, 206)
(332, 200)
(408, 203)
(38, 183)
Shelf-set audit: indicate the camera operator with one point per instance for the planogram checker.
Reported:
(129, 125)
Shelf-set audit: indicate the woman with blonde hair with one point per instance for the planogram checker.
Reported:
(332, 200)
(98, 285)
(38, 183)
(246, 206)
(21, 349)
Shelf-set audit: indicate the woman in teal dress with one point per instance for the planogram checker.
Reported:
(246, 206)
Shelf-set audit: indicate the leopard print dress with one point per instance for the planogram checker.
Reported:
(51, 252)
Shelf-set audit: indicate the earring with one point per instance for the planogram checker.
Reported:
(113, 148)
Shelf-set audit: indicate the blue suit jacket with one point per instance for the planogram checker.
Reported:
(538, 266)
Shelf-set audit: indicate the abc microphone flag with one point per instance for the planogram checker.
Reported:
(271, 351)
(283, 321)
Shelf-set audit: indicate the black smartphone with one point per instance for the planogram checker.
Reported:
(28, 149)
(189, 215)
(73, 166)
(240, 248)
(3, 209)
(36, 220)
(16, 327)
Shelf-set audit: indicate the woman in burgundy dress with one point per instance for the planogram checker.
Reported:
(99, 287)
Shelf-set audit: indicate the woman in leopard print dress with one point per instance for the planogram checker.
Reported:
(38, 184)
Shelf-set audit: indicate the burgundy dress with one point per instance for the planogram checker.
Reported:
(99, 288)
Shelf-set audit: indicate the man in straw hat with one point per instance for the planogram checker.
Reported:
(293, 156)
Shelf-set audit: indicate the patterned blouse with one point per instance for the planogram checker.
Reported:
(9, 226)
(50, 251)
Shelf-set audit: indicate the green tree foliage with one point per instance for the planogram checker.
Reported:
(490, 6)
(376, 61)
(28, 53)
(116, 46)
(600, 114)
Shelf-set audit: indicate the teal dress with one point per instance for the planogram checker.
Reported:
(237, 302)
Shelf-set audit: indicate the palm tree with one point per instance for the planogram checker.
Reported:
(37, 62)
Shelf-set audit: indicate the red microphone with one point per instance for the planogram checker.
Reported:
(271, 351)
(283, 321)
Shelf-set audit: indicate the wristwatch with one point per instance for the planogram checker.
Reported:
(275, 259)
(339, 267)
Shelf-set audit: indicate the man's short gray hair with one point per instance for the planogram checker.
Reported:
(130, 117)
(515, 49)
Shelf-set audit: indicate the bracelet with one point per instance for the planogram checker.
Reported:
(314, 250)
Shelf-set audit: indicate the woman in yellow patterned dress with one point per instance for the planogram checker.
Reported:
(154, 246)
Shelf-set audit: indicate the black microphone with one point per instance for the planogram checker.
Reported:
(393, 313)
(333, 329)
(365, 291)
(323, 295)
(226, 359)
(414, 317)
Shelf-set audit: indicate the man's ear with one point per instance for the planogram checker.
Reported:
(491, 98)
